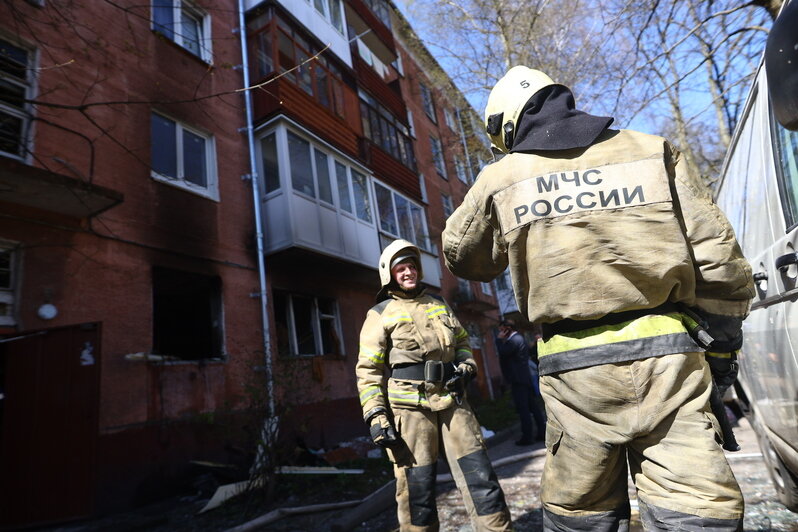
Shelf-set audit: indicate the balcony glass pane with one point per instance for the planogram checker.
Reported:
(361, 193)
(403, 215)
(323, 177)
(271, 170)
(344, 201)
(301, 171)
(385, 207)
(419, 226)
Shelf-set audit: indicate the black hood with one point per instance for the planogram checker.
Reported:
(550, 121)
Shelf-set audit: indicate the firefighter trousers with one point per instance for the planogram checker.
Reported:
(653, 414)
(456, 433)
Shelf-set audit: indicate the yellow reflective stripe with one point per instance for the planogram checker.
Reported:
(395, 318)
(462, 334)
(465, 350)
(368, 393)
(434, 311)
(375, 356)
(718, 355)
(645, 327)
(401, 396)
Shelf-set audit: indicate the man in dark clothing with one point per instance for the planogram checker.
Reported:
(514, 360)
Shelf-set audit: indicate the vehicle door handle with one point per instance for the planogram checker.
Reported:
(786, 260)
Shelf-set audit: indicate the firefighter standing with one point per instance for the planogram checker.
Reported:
(618, 251)
(417, 337)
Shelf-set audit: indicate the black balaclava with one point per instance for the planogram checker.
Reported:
(550, 121)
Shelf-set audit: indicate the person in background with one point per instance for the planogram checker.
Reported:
(514, 361)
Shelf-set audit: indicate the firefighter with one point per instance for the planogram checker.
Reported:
(415, 339)
(619, 252)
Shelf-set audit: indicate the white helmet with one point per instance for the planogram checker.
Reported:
(393, 254)
(506, 101)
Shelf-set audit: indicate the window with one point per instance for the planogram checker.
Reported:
(503, 281)
(185, 24)
(400, 217)
(277, 46)
(386, 131)
(7, 284)
(301, 170)
(182, 156)
(15, 84)
(460, 169)
(306, 325)
(331, 11)
(486, 288)
(449, 118)
(448, 208)
(187, 314)
(426, 100)
(360, 191)
(437, 155)
(464, 287)
(410, 123)
(381, 9)
(270, 169)
(786, 155)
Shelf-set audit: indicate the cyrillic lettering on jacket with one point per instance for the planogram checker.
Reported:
(612, 186)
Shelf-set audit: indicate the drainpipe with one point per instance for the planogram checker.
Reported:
(253, 173)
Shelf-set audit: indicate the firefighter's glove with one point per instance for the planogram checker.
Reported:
(382, 432)
(462, 376)
(723, 367)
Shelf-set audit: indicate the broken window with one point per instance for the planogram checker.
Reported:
(7, 285)
(306, 325)
(187, 314)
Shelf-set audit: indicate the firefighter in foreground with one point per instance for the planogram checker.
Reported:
(415, 339)
(620, 253)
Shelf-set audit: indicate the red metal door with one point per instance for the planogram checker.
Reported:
(48, 424)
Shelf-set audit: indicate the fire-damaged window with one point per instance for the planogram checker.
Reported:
(187, 314)
(15, 68)
(7, 284)
(307, 325)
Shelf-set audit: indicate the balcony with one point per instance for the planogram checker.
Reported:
(31, 186)
(362, 19)
(387, 94)
(388, 168)
(283, 96)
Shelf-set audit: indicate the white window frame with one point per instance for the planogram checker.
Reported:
(425, 230)
(24, 114)
(205, 50)
(427, 102)
(448, 118)
(8, 294)
(212, 189)
(318, 316)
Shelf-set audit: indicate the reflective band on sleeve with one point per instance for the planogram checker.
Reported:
(368, 393)
(462, 334)
(375, 356)
(645, 327)
(465, 350)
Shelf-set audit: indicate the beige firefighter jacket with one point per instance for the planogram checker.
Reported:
(618, 226)
(403, 330)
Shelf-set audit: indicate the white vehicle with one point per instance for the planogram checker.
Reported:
(758, 192)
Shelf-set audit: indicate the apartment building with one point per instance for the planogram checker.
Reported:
(357, 146)
(127, 251)
(136, 312)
